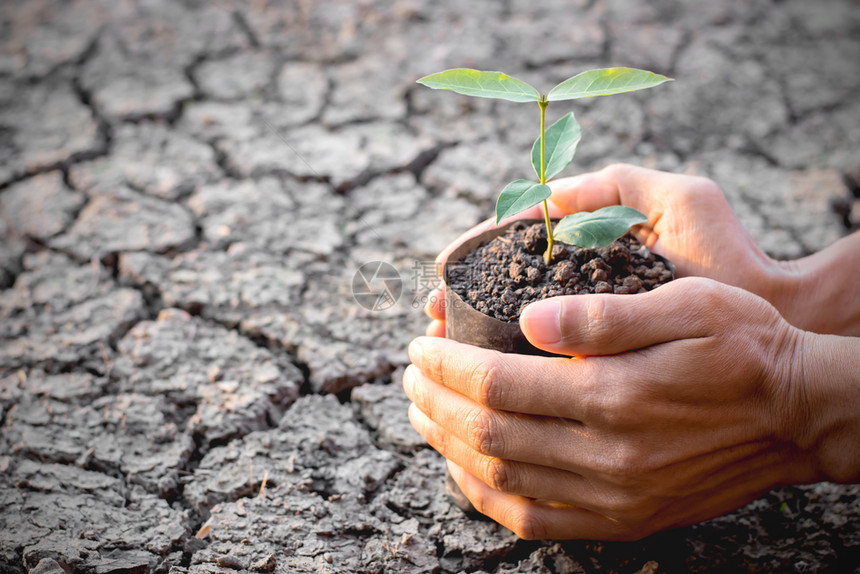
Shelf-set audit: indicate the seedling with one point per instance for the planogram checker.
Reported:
(554, 149)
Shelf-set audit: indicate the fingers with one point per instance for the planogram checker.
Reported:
(435, 307)
(520, 383)
(689, 315)
(584, 325)
(535, 519)
(506, 475)
(435, 329)
(644, 189)
(622, 184)
(548, 441)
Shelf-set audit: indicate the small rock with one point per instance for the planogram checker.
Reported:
(615, 254)
(516, 270)
(48, 566)
(632, 283)
(559, 251)
(596, 269)
(266, 564)
(564, 271)
(231, 562)
(643, 252)
(535, 238)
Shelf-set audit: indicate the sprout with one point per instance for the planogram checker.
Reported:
(555, 147)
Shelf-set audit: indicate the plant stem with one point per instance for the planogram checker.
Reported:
(547, 256)
(543, 103)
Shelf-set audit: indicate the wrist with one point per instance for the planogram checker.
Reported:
(825, 392)
(788, 289)
(817, 293)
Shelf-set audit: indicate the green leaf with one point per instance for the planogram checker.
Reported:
(519, 195)
(482, 85)
(604, 83)
(560, 143)
(597, 229)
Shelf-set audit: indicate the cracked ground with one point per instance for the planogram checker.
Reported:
(187, 189)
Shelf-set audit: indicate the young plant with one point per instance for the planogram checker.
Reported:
(554, 149)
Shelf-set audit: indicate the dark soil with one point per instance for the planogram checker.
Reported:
(507, 273)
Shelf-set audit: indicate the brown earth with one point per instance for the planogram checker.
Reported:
(507, 273)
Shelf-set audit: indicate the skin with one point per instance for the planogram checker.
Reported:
(673, 406)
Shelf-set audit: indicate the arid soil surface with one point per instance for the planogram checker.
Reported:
(188, 188)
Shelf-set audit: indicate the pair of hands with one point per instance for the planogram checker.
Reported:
(675, 406)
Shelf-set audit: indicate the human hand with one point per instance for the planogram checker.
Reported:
(681, 404)
(689, 222)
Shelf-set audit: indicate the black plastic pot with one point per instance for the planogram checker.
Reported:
(465, 324)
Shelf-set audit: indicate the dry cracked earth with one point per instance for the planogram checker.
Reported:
(187, 189)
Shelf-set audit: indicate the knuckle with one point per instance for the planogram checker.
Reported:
(527, 525)
(419, 394)
(706, 186)
(482, 432)
(631, 531)
(435, 365)
(617, 170)
(625, 506)
(597, 327)
(622, 401)
(686, 196)
(437, 438)
(498, 475)
(712, 304)
(710, 292)
(626, 466)
(485, 382)
(698, 190)
(616, 408)
(478, 498)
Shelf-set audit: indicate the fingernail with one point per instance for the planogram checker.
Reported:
(415, 419)
(456, 471)
(541, 322)
(409, 380)
(416, 352)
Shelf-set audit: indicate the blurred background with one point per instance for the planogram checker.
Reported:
(188, 190)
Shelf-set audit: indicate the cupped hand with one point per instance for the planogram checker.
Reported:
(680, 404)
(689, 221)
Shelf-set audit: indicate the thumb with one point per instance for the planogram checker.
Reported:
(604, 324)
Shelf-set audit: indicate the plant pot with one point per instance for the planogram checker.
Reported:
(465, 324)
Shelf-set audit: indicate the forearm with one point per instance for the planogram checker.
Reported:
(827, 391)
(820, 293)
